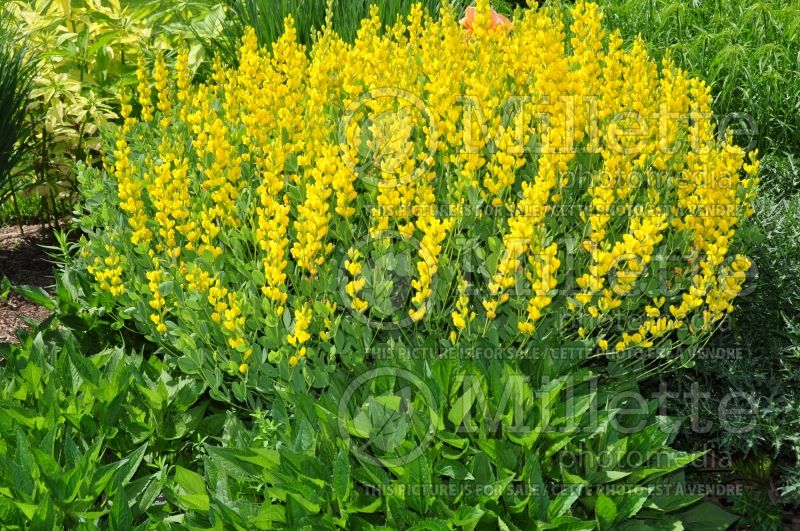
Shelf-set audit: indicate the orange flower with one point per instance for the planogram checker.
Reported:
(497, 21)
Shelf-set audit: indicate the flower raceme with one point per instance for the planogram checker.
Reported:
(510, 184)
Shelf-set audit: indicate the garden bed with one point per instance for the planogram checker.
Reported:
(25, 262)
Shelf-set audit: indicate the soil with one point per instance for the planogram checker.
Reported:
(24, 262)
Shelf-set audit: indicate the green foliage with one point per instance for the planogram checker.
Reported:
(99, 431)
(25, 210)
(89, 431)
(111, 439)
(757, 353)
(747, 51)
(760, 513)
(16, 76)
(338, 460)
(88, 54)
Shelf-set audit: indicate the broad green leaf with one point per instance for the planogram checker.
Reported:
(120, 517)
(705, 516)
(341, 475)
(537, 486)
(467, 517)
(461, 406)
(129, 465)
(418, 484)
(562, 503)
(193, 495)
(605, 510)
(36, 295)
(44, 517)
(632, 502)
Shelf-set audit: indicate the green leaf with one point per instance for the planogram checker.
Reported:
(632, 502)
(304, 502)
(705, 516)
(23, 467)
(194, 496)
(44, 517)
(341, 475)
(84, 366)
(269, 514)
(535, 483)
(418, 483)
(461, 406)
(120, 517)
(129, 465)
(430, 525)
(651, 439)
(36, 295)
(467, 517)
(563, 502)
(671, 502)
(605, 510)
(455, 470)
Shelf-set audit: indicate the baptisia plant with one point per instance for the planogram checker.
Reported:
(507, 183)
(530, 198)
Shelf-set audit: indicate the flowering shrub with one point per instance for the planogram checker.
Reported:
(448, 204)
(509, 185)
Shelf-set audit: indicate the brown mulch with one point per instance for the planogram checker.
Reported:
(24, 262)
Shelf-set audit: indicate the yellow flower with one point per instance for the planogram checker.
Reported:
(418, 314)
(302, 321)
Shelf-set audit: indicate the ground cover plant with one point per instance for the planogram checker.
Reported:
(424, 294)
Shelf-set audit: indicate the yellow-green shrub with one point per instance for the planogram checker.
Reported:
(516, 187)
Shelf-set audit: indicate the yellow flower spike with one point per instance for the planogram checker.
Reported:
(302, 322)
(243, 368)
(143, 89)
(161, 77)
